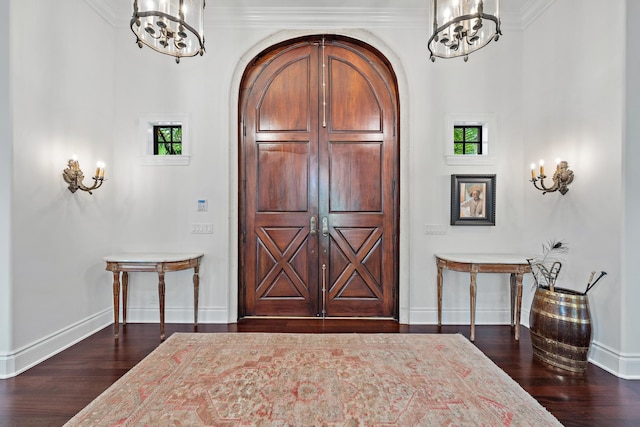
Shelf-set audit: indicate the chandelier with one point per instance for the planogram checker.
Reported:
(463, 26)
(172, 27)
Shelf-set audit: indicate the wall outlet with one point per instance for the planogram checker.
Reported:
(433, 229)
(202, 228)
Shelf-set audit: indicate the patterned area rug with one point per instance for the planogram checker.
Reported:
(260, 379)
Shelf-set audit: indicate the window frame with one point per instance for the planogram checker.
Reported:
(146, 125)
(478, 143)
(172, 142)
(490, 146)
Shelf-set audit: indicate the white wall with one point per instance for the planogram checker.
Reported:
(573, 109)
(630, 295)
(6, 321)
(156, 205)
(63, 102)
(489, 83)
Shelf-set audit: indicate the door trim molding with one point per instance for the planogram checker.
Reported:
(234, 123)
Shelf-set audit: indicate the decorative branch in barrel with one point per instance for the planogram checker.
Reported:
(560, 319)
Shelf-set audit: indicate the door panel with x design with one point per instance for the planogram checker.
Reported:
(355, 263)
(282, 271)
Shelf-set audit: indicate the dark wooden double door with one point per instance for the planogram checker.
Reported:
(319, 182)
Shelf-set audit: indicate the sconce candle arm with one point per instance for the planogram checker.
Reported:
(543, 187)
(562, 177)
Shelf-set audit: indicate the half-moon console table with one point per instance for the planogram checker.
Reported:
(473, 264)
(159, 263)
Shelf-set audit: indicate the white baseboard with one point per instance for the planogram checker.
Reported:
(429, 316)
(18, 361)
(622, 365)
(176, 315)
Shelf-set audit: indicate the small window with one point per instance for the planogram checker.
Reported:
(467, 140)
(475, 139)
(164, 139)
(167, 140)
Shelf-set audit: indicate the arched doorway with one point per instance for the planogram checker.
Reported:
(319, 181)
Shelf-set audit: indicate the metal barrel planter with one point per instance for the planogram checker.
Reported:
(560, 326)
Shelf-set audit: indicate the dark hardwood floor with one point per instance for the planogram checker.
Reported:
(52, 392)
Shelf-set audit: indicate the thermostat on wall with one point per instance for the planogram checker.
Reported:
(202, 205)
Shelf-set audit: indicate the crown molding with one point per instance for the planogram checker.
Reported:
(118, 12)
(316, 17)
(109, 10)
(532, 9)
(115, 13)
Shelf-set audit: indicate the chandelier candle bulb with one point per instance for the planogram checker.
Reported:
(541, 167)
(533, 170)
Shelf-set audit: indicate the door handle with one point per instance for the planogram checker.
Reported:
(313, 225)
(325, 226)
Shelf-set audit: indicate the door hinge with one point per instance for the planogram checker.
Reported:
(244, 129)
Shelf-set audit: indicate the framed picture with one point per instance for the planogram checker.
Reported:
(473, 200)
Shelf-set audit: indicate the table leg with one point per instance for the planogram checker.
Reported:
(439, 281)
(472, 290)
(116, 303)
(196, 291)
(125, 294)
(161, 298)
(518, 304)
(512, 295)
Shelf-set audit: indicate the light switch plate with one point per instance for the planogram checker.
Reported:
(202, 228)
(434, 229)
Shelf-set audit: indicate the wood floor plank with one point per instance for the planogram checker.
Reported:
(50, 393)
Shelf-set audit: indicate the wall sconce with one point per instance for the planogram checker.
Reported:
(73, 176)
(562, 177)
